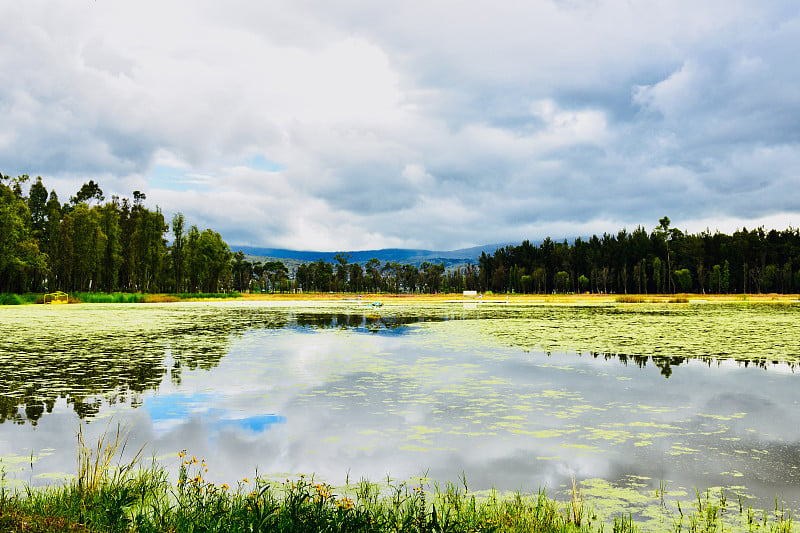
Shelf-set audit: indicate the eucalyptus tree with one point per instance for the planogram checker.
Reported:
(111, 260)
(178, 252)
(52, 240)
(277, 275)
(215, 255)
(356, 275)
(149, 248)
(88, 247)
(391, 273)
(341, 270)
(20, 257)
(665, 233)
(88, 193)
(37, 205)
(373, 270)
(242, 271)
(194, 261)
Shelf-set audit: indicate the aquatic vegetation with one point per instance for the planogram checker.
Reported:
(327, 386)
(630, 299)
(135, 497)
(759, 334)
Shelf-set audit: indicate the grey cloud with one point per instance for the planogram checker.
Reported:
(518, 116)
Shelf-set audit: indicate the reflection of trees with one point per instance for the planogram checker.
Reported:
(371, 321)
(664, 336)
(88, 366)
(117, 363)
(666, 363)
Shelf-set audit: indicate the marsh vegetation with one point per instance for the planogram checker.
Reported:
(134, 496)
(630, 399)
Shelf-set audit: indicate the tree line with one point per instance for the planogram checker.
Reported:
(390, 277)
(90, 244)
(666, 260)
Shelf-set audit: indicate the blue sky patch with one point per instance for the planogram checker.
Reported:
(259, 162)
(174, 179)
(176, 408)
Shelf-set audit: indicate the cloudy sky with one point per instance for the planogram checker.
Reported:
(431, 124)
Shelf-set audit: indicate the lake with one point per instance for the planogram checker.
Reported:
(623, 397)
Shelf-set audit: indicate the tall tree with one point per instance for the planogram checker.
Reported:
(88, 193)
(109, 216)
(341, 270)
(177, 250)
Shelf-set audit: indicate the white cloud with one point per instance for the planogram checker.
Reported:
(435, 125)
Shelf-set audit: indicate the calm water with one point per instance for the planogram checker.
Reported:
(515, 397)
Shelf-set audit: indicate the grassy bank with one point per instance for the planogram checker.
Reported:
(9, 298)
(139, 497)
(118, 297)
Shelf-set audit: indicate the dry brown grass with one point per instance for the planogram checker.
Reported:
(159, 298)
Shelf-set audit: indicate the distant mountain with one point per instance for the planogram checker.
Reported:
(397, 255)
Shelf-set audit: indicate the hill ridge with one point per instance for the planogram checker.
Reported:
(399, 255)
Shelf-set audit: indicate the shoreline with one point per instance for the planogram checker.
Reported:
(516, 299)
(529, 298)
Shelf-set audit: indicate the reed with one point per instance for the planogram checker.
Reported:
(206, 295)
(110, 495)
(679, 299)
(630, 299)
(106, 298)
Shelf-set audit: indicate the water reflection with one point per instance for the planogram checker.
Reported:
(358, 321)
(326, 389)
(118, 353)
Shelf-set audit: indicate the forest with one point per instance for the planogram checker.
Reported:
(88, 244)
(666, 260)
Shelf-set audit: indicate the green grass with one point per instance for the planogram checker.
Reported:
(133, 497)
(127, 298)
(9, 298)
(106, 298)
(145, 501)
(116, 297)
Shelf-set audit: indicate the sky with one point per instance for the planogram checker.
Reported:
(436, 124)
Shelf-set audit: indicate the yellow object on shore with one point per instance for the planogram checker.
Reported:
(58, 297)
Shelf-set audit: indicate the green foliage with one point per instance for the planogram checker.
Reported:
(132, 497)
(10, 299)
(684, 278)
(665, 261)
(89, 246)
(105, 298)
